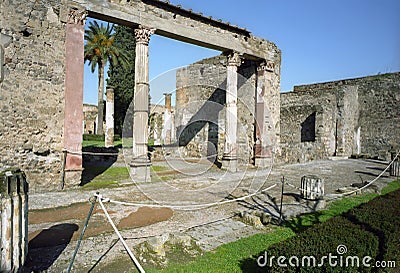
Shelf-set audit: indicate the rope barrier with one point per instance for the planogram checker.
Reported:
(101, 201)
(136, 262)
(198, 206)
(356, 190)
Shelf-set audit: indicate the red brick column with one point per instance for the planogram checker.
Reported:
(73, 114)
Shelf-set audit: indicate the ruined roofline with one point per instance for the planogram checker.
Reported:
(88, 104)
(182, 25)
(334, 84)
(207, 19)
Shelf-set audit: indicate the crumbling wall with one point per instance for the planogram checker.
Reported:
(379, 99)
(200, 108)
(89, 118)
(307, 126)
(32, 90)
(359, 117)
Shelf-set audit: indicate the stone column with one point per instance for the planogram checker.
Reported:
(140, 162)
(109, 137)
(73, 118)
(167, 123)
(229, 159)
(168, 103)
(267, 114)
(14, 220)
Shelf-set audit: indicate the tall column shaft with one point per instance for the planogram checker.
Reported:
(267, 114)
(141, 102)
(73, 118)
(140, 163)
(109, 137)
(167, 129)
(229, 159)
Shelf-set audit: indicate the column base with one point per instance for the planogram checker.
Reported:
(72, 178)
(230, 164)
(263, 162)
(140, 171)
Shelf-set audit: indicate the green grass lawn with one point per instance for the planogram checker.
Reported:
(156, 168)
(99, 143)
(110, 177)
(125, 142)
(106, 177)
(230, 257)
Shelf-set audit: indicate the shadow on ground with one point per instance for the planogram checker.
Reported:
(46, 247)
(96, 160)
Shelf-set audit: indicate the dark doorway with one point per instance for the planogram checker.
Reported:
(308, 129)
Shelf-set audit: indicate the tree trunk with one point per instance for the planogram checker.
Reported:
(100, 102)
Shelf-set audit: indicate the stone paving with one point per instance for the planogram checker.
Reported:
(210, 226)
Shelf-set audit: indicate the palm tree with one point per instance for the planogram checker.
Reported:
(100, 49)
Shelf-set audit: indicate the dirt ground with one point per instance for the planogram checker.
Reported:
(54, 230)
(66, 223)
(144, 216)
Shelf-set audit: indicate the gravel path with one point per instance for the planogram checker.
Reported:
(210, 226)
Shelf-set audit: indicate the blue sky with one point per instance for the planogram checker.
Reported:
(320, 40)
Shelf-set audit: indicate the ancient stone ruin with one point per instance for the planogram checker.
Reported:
(41, 83)
(42, 78)
(352, 117)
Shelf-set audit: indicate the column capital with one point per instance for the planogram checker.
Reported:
(109, 93)
(142, 34)
(266, 65)
(76, 16)
(234, 59)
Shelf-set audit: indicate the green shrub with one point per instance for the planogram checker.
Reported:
(371, 229)
(381, 216)
(323, 240)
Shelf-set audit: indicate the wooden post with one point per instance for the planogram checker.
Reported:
(312, 187)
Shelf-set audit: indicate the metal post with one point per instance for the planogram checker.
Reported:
(280, 210)
(93, 201)
(63, 169)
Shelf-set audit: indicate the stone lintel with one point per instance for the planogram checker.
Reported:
(185, 26)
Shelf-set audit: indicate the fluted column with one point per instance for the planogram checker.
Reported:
(229, 159)
(140, 161)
